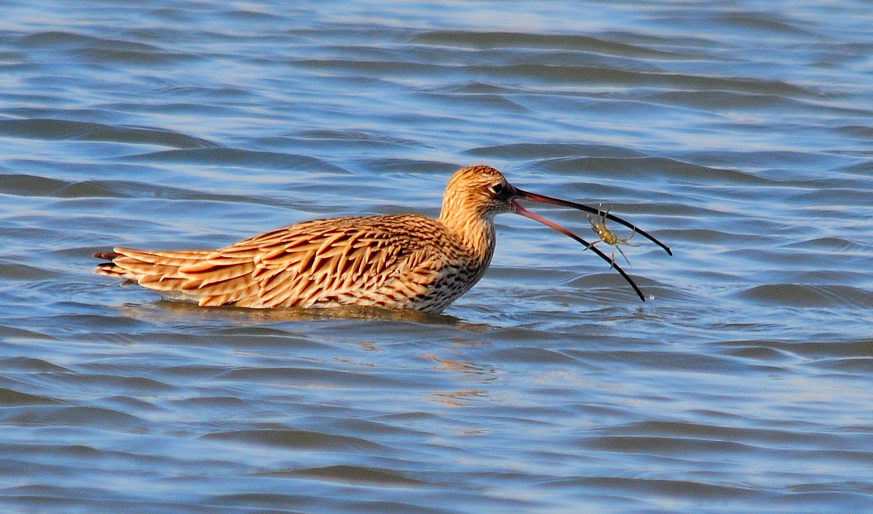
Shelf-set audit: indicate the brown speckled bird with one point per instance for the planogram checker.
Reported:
(399, 262)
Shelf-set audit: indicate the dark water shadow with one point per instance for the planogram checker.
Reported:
(261, 316)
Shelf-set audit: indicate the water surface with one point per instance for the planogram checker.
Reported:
(739, 133)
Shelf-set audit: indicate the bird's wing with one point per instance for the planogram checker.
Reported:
(318, 261)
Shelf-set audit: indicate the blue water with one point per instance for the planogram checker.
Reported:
(739, 133)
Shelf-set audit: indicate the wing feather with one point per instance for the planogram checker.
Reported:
(370, 261)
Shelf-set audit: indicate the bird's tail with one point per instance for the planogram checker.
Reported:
(155, 270)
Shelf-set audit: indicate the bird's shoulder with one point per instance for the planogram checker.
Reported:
(371, 238)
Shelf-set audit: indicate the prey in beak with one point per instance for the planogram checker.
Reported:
(520, 194)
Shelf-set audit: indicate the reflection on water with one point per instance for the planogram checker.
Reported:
(738, 133)
(258, 316)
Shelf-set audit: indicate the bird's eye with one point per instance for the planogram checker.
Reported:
(497, 188)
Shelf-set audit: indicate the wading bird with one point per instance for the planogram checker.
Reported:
(398, 262)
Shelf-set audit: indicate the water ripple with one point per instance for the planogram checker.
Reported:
(738, 133)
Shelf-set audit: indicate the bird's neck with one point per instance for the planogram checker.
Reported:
(475, 233)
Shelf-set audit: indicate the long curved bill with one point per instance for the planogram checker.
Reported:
(533, 197)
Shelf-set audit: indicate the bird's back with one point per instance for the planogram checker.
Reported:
(404, 261)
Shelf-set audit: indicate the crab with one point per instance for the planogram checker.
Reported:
(598, 225)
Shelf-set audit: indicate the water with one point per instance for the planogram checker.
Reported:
(739, 133)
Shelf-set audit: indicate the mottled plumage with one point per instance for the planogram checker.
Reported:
(403, 261)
